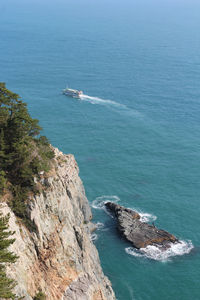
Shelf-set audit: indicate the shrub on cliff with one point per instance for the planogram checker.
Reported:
(39, 296)
(23, 153)
(6, 284)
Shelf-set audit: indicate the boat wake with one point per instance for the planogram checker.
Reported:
(157, 253)
(110, 103)
(97, 100)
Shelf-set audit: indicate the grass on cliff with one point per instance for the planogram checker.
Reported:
(23, 153)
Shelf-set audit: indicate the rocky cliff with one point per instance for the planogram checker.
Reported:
(59, 258)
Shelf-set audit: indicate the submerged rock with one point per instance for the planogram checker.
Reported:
(140, 234)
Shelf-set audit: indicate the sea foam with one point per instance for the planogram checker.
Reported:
(93, 237)
(150, 252)
(99, 202)
(145, 217)
(157, 253)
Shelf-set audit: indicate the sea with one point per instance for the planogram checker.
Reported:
(135, 132)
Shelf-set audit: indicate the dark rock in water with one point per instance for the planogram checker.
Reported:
(140, 234)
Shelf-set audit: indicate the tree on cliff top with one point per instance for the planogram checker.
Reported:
(6, 284)
(23, 154)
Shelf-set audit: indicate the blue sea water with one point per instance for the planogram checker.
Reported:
(135, 133)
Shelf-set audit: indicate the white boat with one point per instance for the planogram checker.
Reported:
(72, 93)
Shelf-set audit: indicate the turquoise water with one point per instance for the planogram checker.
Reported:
(136, 136)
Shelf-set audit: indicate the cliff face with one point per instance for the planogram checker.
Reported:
(59, 258)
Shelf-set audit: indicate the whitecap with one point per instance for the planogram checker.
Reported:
(157, 253)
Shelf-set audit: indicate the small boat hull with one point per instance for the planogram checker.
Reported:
(72, 93)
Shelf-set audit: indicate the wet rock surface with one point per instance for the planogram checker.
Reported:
(140, 234)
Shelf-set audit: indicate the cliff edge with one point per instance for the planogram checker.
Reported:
(58, 258)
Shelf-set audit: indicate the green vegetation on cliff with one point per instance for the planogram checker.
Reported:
(23, 153)
(6, 284)
(40, 296)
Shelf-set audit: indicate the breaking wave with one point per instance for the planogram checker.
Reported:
(145, 217)
(99, 202)
(157, 253)
(93, 237)
(151, 252)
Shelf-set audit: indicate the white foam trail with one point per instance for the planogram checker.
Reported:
(97, 100)
(120, 107)
(157, 253)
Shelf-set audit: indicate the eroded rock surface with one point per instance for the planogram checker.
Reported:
(59, 258)
(140, 234)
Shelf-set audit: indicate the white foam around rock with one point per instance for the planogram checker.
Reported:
(157, 253)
